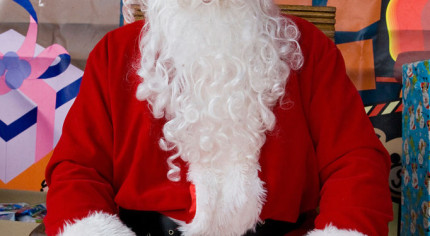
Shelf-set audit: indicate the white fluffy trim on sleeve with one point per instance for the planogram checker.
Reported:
(96, 224)
(331, 230)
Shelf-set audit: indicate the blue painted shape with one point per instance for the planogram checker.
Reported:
(67, 93)
(26, 4)
(15, 78)
(10, 60)
(57, 69)
(16, 70)
(121, 17)
(368, 32)
(2, 67)
(319, 3)
(8, 132)
(384, 92)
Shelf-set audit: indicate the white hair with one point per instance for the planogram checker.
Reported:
(215, 69)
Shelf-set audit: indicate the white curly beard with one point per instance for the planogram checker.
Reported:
(214, 70)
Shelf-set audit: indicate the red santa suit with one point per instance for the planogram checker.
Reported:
(323, 152)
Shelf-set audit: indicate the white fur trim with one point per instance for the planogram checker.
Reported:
(331, 230)
(228, 200)
(96, 224)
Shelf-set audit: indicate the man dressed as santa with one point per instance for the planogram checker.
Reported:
(217, 117)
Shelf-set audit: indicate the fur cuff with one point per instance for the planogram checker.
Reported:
(97, 224)
(331, 230)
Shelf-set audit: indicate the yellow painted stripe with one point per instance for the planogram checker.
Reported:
(390, 107)
(367, 109)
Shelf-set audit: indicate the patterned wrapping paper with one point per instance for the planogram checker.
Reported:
(415, 197)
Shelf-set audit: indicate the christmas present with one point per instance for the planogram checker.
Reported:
(415, 158)
(37, 87)
(77, 25)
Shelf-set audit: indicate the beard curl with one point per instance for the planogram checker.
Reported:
(215, 69)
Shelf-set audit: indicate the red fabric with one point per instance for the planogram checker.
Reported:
(193, 207)
(323, 151)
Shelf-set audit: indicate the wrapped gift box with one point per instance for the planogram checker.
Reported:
(415, 158)
(32, 115)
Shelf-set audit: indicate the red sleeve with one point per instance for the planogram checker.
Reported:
(353, 165)
(80, 171)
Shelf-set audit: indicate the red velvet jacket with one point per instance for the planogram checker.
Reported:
(323, 151)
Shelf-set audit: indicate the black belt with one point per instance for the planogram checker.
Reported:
(151, 223)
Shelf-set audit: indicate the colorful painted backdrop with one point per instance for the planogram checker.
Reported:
(375, 38)
(44, 45)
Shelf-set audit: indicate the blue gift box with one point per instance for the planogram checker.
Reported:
(415, 158)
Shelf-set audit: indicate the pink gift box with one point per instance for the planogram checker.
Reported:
(32, 111)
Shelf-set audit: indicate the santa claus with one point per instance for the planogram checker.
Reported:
(219, 117)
